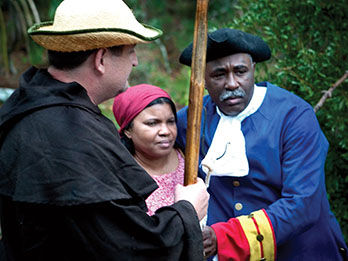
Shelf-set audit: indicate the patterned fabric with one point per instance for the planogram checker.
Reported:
(164, 195)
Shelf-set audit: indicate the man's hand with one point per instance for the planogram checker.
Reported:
(196, 194)
(209, 242)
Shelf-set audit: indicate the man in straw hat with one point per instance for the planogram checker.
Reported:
(69, 189)
(265, 153)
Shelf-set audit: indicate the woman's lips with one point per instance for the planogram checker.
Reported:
(165, 144)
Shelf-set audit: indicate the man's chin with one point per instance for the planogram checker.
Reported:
(122, 90)
(231, 110)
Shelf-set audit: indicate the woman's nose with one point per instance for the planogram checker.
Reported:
(164, 129)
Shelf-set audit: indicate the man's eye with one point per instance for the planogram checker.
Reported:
(217, 76)
(241, 71)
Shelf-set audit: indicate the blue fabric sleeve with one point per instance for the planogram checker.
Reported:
(302, 160)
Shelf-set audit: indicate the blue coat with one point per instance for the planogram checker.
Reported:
(286, 151)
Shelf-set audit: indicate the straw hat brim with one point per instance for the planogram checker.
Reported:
(88, 39)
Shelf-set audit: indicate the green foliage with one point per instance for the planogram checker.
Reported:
(16, 16)
(3, 43)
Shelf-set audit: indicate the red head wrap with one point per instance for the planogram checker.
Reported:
(130, 103)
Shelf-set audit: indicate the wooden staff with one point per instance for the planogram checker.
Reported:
(196, 93)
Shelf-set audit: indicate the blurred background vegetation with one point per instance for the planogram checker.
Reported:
(308, 38)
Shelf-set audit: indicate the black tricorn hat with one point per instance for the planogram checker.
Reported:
(227, 41)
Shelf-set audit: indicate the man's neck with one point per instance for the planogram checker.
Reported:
(65, 76)
(76, 75)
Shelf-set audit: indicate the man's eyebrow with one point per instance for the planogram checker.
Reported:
(223, 69)
(240, 66)
(218, 69)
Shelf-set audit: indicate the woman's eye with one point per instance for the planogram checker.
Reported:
(150, 123)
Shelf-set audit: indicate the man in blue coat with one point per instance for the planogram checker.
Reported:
(263, 153)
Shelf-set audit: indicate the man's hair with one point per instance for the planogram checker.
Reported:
(72, 60)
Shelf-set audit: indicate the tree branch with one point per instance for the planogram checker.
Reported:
(328, 93)
(34, 11)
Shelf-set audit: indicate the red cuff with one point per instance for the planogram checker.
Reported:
(232, 243)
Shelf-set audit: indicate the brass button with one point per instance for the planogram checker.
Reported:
(259, 237)
(238, 206)
(251, 215)
(236, 183)
(343, 250)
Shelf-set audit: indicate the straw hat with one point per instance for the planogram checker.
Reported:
(81, 25)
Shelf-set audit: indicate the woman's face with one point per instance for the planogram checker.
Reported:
(153, 131)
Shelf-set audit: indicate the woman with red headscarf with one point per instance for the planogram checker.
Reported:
(147, 119)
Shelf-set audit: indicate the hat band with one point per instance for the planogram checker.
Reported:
(34, 31)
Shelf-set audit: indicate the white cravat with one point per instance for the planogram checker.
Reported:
(226, 155)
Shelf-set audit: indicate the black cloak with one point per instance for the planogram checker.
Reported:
(71, 191)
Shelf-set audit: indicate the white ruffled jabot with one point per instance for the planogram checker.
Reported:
(226, 155)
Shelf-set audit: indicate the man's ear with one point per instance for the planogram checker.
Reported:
(99, 60)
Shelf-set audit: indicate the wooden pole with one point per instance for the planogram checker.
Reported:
(196, 93)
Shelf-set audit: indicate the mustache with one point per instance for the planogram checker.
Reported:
(226, 94)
